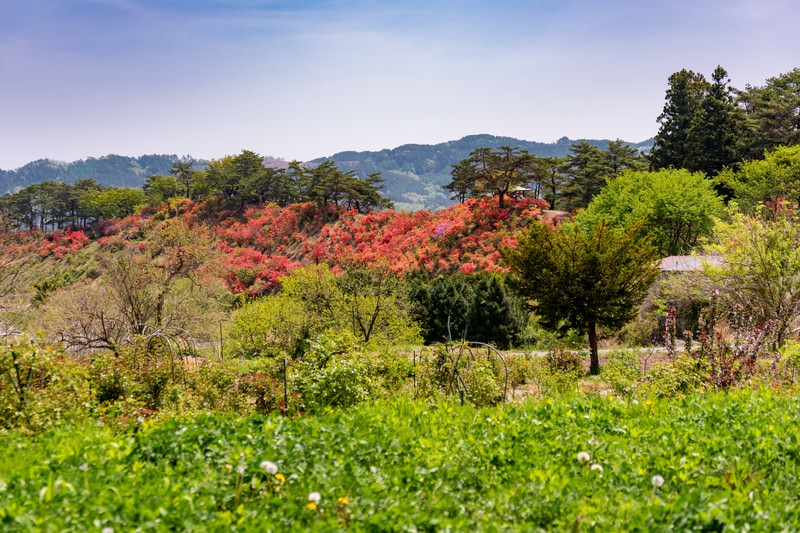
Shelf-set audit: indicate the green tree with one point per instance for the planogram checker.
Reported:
(774, 178)
(772, 113)
(701, 127)
(491, 172)
(716, 130)
(678, 207)
(464, 177)
(586, 170)
(160, 189)
(476, 307)
(582, 279)
(494, 314)
(684, 95)
(376, 305)
(760, 267)
(182, 170)
(114, 202)
(621, 157)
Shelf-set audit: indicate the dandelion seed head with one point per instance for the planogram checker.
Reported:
(596, 468)
(314, 497)
(657, 481)
(269, 467)
(584, 457)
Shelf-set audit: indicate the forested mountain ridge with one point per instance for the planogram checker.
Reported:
(111, 171)
(413, 173)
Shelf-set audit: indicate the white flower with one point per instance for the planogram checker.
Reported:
(584, 457)
(597, 468)
(657, 481)
(108, 530)
(269, 467)
(593, 442)
(241, 469)
(314, 497)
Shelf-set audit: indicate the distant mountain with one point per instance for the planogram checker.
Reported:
(413, 173)
(110, 170)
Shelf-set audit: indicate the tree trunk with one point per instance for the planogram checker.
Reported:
(594, 367)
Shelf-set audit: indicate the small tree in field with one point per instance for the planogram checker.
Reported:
(582, 279)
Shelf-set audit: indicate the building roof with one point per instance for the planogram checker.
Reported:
(688, 263)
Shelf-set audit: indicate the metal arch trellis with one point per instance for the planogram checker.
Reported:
(457, 383)
(177, 341)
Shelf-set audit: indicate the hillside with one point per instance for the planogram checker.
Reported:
(413, 173)
(110, 170)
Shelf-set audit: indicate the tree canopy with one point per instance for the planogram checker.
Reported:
(491, 172)
(579, 278)
(760, 267)
(774, 178)
(701, 127)
(677, 207)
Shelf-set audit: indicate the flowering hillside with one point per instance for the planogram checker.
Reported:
(261, 245)
(270, 241)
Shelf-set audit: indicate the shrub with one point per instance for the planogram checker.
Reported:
(788, 364)
(520, 369)
(622, 371)
(332, 374)
(266, 327)
(483, 385)
(677, 377)
(40, 387)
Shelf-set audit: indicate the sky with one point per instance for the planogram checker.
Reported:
(305, 79)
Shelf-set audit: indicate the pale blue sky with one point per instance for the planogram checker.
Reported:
(304, 79)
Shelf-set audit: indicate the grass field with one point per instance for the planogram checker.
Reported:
(728, 462)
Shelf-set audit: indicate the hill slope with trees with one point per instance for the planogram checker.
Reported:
(413, 173)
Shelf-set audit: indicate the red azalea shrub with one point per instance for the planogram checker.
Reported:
(269, 242)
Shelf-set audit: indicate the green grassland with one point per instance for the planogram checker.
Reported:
(729, 462)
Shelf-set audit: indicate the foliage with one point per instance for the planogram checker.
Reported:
(701, 127)
(760, 268)
(154, 282)
(675, 378)
(268, 326)
(470, 372)
(40, 387)
(773, 179)
(678, 207)
(477, 307)
(366, 302)
(580, 280)
(788, 371)
(729, 363)
(622, 371)
(375, 306)
(332, 374)
(414, 467)
(772, 113)
(490, 172)
(587, 169)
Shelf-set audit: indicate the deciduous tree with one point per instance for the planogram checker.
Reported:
(678, 207)
(760, 267)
